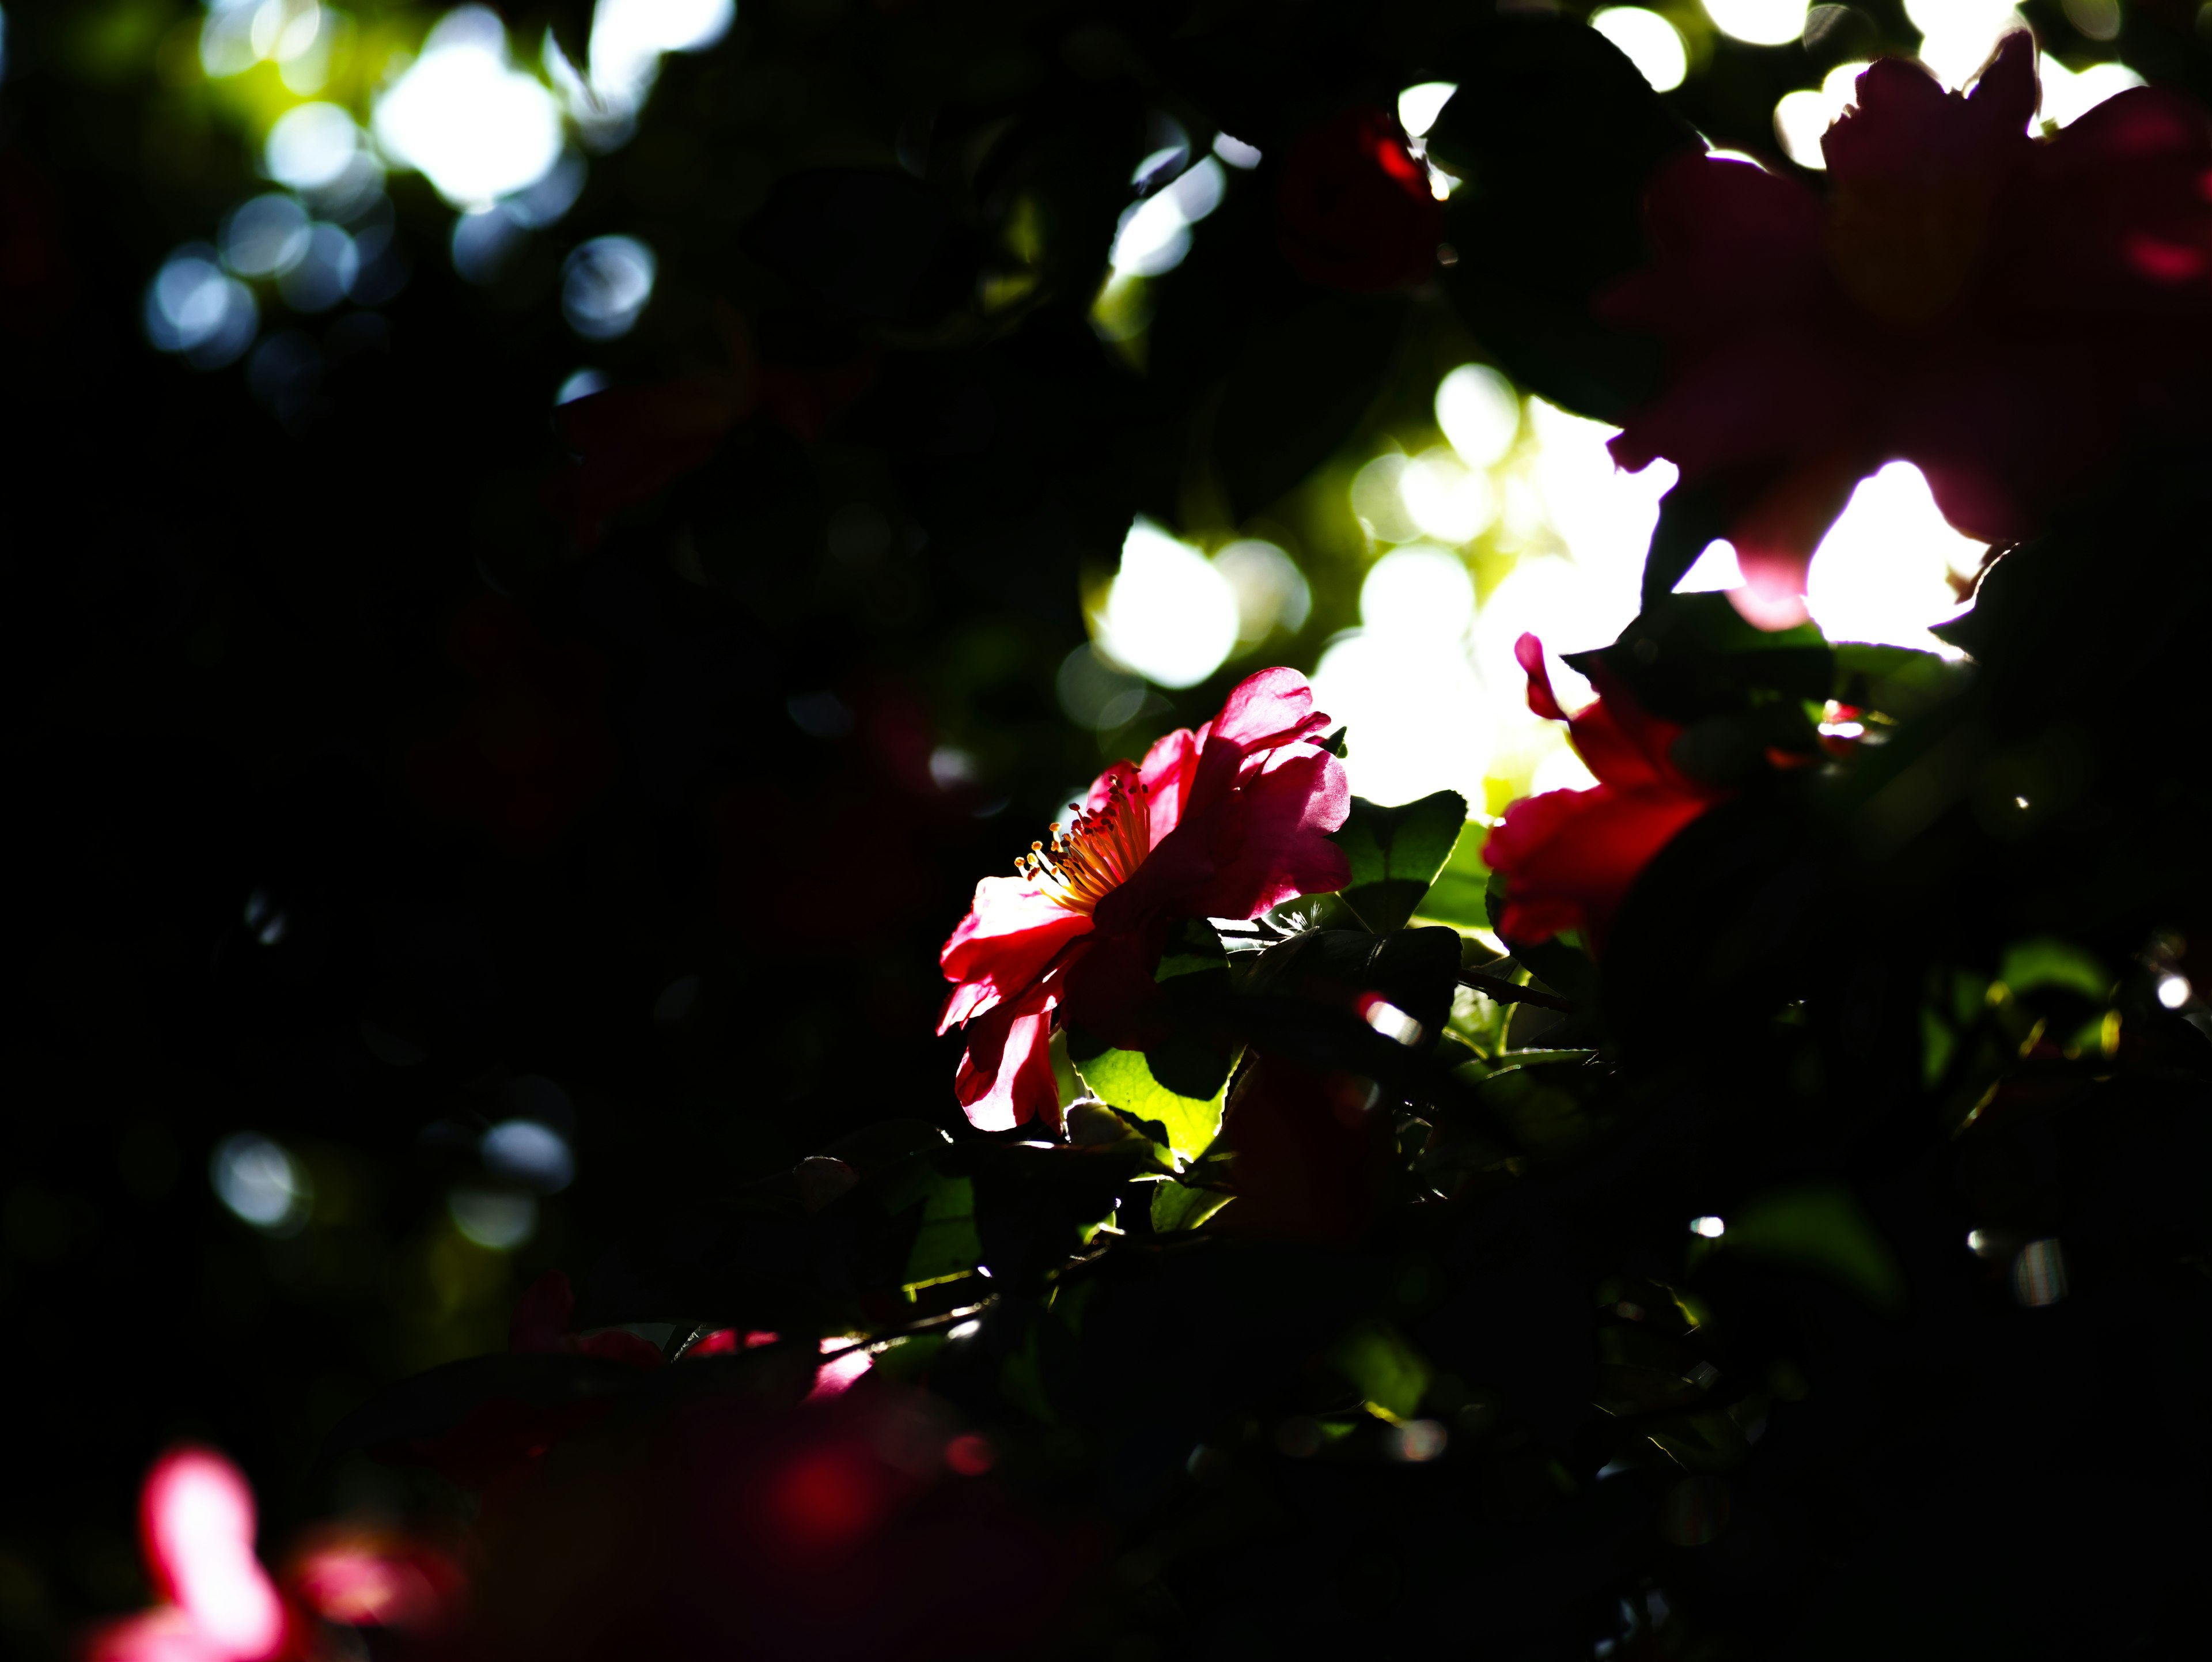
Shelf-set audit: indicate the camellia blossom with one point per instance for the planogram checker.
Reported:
(1224, 822)
(2007, 313)
(1354, 208)
(1569, 856)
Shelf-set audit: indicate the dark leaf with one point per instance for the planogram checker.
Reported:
(1397, 853)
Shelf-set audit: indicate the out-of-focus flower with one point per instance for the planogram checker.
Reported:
(2005, 312)
(196, 1525)
(1568, 856)
(1224, 822)
(361, 1576)
(1354, 210)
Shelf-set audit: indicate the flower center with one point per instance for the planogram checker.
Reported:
(1095, 855)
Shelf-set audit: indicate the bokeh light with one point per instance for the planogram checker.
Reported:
(1800, 118)
(530, 1153)
(2096, 19)
(1094, 693)
(1403, 682)
(1444, 497)
(1417, 594)
(496, 1218)
(605, 286)
(1271, 590)
(630, 37)
(1881, 573)
(265, 235)
(582, 384)
(324, 275)
(1236, 152)
(1170, 615)
(194, 309)
(1647, 41)
(1761, 22)
(2068, 96)
(260, 1183)
(1480, 413)
(1420, 106)
(477, 128)
(311, 146)
(1155, 234)
(1957, 36)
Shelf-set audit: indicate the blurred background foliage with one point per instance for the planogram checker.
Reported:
(549, 548)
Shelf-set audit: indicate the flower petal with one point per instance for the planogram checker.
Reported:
(197, 1519)
(1011, 932)
(1004, 1077)
(1169, 769)
(1278, 845)
(1571, 856)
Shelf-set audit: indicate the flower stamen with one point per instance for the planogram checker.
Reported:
(1095, 855)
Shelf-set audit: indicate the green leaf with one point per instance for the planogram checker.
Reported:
(1896, 680)
(1184, 1206)
(2047, 962)
(909, 1360)
(946, 1243)
(1690, 518)
(1124, 1080)
(1709, 1441)
(1821, 1228)
(1459, 894)
(1397, 853)
(1385, 1367)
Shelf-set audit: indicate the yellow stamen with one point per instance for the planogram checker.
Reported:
(1095, 855)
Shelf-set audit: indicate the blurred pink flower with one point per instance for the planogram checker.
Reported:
(196, 1525)
(2005, 312)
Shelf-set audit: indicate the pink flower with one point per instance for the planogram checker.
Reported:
(2005, 312)
(196, 1524)
(1569, 857)
(1224, 822)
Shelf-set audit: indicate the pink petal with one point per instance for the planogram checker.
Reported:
(195, 1516)
(167, 1634)
(835, 1377)
(1268, 707)
(1012, 931)
(1004, 1078)
(1169, 769)
(2007, 93)
(1277, 845)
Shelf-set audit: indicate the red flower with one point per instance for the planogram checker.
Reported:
(2004, 312)
(1224, 822)
(1569, 856)
(1354, 209)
